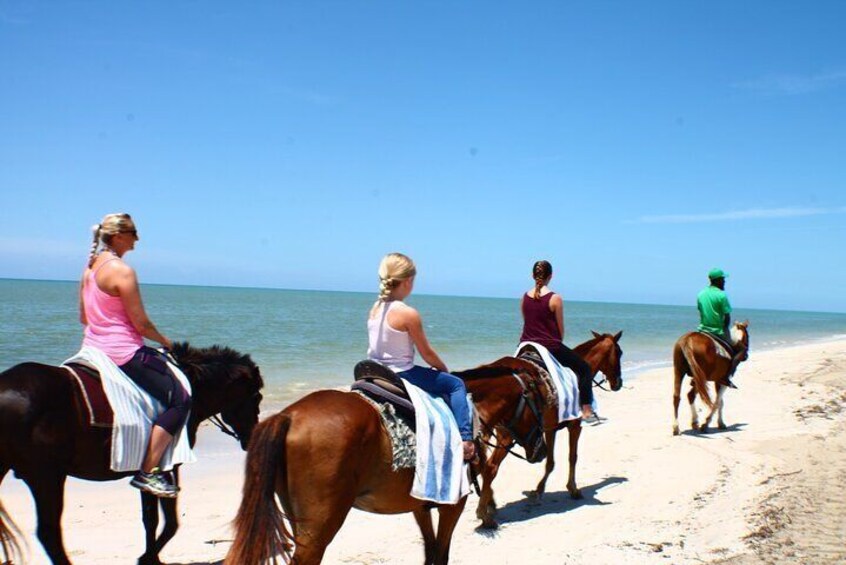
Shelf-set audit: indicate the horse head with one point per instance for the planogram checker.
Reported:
(739, 334)
(224, 382)
(604, 355)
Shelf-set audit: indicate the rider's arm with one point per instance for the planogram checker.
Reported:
(414, 326)
(126, 284)
(82, 319)
(557, 307)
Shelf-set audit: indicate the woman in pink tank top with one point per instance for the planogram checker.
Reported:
(116, 323)
(543, 323)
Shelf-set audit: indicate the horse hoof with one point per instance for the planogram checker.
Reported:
(489, 524)
(144, 560)
(676, 431)
(722, 426)
(576, 494)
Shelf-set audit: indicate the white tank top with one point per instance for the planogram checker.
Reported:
(389, 346)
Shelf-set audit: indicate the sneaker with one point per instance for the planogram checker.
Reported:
(154, 483)
(592, 420)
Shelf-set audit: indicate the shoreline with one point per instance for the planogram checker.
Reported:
(771, 487)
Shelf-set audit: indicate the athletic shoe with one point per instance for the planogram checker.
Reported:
(154, 483)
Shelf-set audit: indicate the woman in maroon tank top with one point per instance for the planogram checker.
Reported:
(543, 323)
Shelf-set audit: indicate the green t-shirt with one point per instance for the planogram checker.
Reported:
(713, 305)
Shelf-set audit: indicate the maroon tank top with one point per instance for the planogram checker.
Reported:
(539, 323)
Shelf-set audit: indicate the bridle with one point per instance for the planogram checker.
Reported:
(535, 435)
(226, 428)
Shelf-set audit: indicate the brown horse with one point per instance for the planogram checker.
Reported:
(330, 452)
(696, 355)
(603, 354)
(45, 436)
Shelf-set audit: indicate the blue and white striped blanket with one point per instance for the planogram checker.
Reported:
(564, 379)
(439, 475)
(135, 411)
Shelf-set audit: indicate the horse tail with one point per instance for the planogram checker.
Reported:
(260, 530)
(697, 373)
(8, 538)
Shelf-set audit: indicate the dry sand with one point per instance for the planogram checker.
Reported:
(770, 489)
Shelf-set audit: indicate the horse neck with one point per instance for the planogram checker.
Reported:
(589, 351)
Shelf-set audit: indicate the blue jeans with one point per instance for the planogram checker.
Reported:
(452, 387)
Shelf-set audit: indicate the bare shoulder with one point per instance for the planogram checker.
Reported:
(556, 301)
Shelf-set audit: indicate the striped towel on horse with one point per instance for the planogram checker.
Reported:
(563, 378)
(439, 474)
(134, 414)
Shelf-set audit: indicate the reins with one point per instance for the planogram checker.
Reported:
(526, 399)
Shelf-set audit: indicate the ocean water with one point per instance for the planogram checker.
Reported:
(305, 340)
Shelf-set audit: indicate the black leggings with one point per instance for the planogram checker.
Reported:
(148, 369)
(573, 360)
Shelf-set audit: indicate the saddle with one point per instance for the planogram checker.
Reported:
(723, 346)
(380, 384)
(93, 396)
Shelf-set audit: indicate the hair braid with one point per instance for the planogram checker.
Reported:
(92, 255)
(541, 271)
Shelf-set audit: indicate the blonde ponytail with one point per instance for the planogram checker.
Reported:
(394, 268)
(95, 244)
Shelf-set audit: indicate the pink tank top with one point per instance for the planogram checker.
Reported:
(109, 328)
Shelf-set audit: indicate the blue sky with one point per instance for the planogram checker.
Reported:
(634, 145)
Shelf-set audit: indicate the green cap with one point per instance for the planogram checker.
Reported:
(717, 274)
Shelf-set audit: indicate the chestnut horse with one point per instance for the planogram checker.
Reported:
(329, 452)
(45, 436)
(602, 353)
(696, 355)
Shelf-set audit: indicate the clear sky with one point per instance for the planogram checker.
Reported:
(291, 144)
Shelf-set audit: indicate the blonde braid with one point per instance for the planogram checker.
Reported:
(92, 255)
(386, 285)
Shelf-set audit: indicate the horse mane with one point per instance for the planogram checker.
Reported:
(201, 363)
(499, 368)
(583, 348)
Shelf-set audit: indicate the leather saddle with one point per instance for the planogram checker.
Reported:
(530, 354)
(380, 384)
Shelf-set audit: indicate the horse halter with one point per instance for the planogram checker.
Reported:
(226, 428)
(534, 436)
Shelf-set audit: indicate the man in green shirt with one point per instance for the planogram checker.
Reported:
(715, 316)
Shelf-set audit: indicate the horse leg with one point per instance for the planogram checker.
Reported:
(423, 516)
(549, 438)
(171, 517)
(487, 506)
(720, 403)
(694, 415)
(150, 515)
(150, 519)
(447, 519)
(678, 375)
(574, 428)
(718, 389)
(49, 494)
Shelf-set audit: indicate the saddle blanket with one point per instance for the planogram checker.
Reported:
(440, 474)
(720, 345)
(134, 413)
(564, 380)
(93, 396)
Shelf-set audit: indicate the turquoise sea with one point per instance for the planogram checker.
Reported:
(304, 340)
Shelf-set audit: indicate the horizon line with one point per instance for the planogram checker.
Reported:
(239, 287)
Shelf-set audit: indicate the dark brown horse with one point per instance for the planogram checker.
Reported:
(696, 355)
(603, 354)
(45, 437)
(330, 452)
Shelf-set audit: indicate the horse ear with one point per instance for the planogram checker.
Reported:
(596, 335)
(618, 335)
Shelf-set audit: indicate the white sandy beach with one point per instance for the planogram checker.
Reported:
(769, 489)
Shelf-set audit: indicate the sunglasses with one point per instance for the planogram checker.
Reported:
(133, 232)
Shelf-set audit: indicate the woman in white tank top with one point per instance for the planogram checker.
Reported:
(394, 329)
